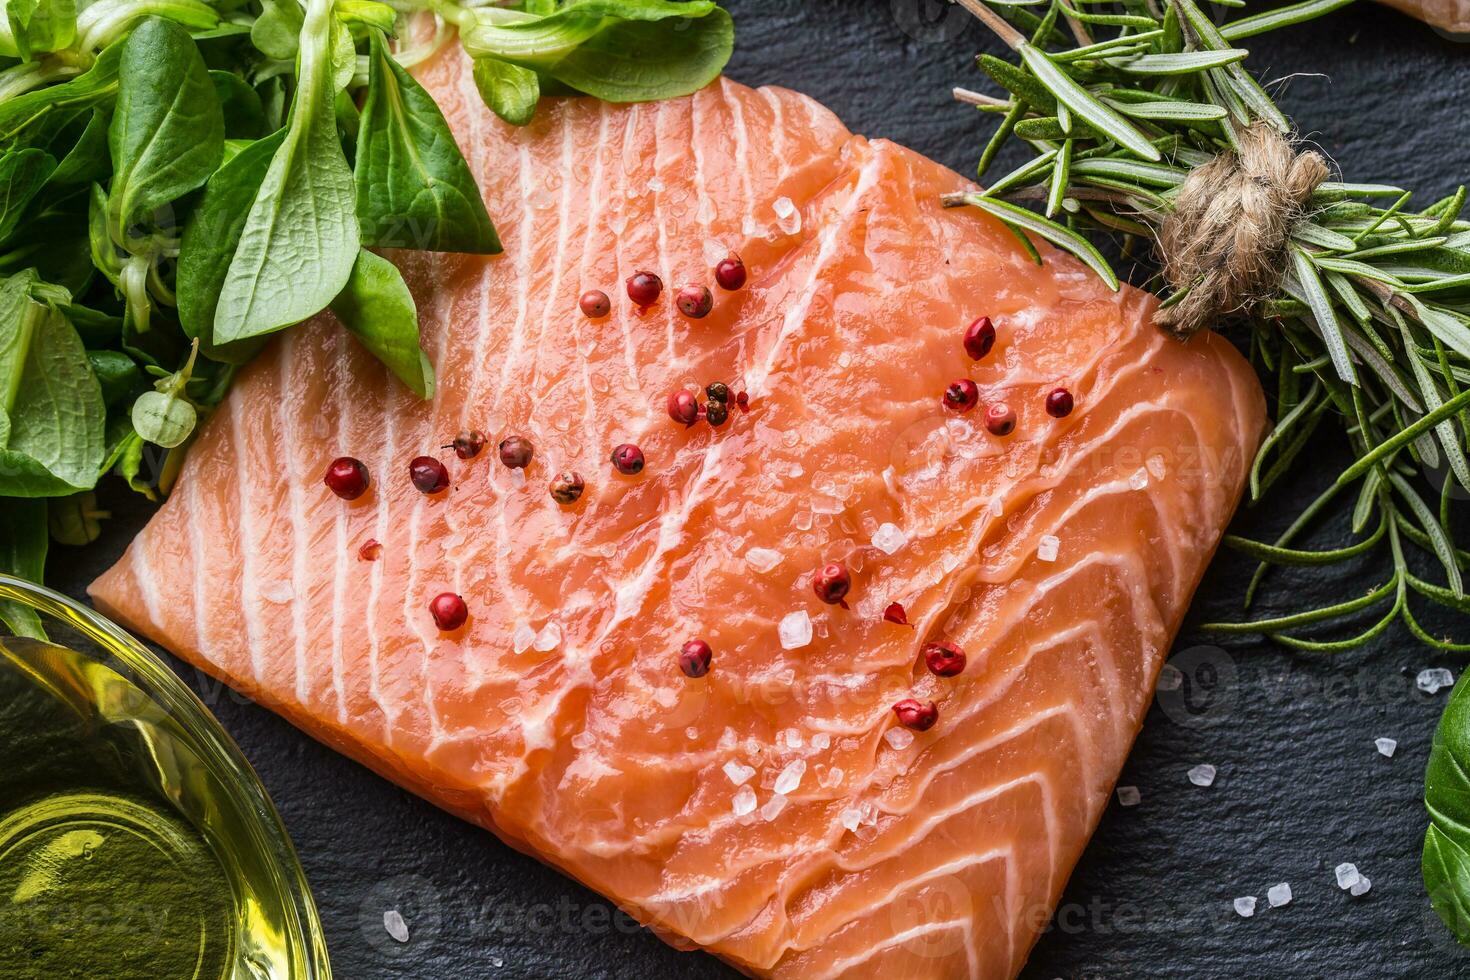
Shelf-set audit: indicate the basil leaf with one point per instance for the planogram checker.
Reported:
(97, 84)
(54, 243)
(240, 105)
(51, 410)
(130, 456)
(277, 30)
(618, 50)
(1446, 859)
(87, 161)
(208, 244)
(414, 188)
(368, 14)
(22, 175)
(638, 61)
(377, 308)
(117, 374)
(23, 554)
(301, 236)
(167, 133)
(39, 26)
(75, 520)
(509, 90)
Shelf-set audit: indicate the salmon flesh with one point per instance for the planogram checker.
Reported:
(772, 812)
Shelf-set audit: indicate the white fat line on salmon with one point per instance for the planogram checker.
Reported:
(338, 360)
(282, 409)
(385, 460)
(884, 904)
(248, 575)
(414, 603)
(198, 550)
(845, 966)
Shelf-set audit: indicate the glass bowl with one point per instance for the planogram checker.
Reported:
(135, 840)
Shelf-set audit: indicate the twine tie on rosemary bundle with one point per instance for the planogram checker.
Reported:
(1223, 245)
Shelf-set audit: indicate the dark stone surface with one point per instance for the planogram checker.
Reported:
(1300, 785)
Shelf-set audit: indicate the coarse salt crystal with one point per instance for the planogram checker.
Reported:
(773, 807)
(763, 559)
(899, 738)
(795, 630)
(852, 819)
(794, 739)
(743, 801)
(654, 184)
(1361, 886)
(1434, 679)
(1278, 895)
(714, 252)
(1347, 874)
(1139, 479)
(737, 773)
(821, 741)
(523, 638)
(1386, 747)
(821, 503)
(1156, 466)
(582, 740)
(397, 928)
(548, 638)
(1128, 796)
(1046, 548)
(787, 216)
(790, 777)
(996, 507)
(691, 733)
(888, 538)
(1245, 907)
(1202, 774)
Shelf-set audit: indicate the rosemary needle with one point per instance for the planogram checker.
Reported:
(1369, 328)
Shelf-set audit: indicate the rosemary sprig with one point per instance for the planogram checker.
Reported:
(1369, 330)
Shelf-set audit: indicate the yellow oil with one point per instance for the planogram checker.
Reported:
(121, 854)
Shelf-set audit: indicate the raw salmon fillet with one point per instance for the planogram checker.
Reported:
(1061, 557)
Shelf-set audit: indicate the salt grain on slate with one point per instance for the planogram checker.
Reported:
(1434, 679)
(1279, 895)
(1170, 678)
(397, 928)
(1245, 907)
(1347, 875)
(1360, 887)
(1386, 747)
(1128, 796)
(1202, 774)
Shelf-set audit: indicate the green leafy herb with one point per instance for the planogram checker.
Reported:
(414, 189)
(301, 235)
(1446, 858)
(51, 410)
(22, 554)
(377, 308)
(167, 132)
(510, 90)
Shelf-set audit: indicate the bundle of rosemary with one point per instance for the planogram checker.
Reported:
(1145, 123)
(1362, 316)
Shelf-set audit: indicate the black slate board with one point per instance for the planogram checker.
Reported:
(1300, 788)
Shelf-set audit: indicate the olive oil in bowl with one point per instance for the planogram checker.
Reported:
(135, 844)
